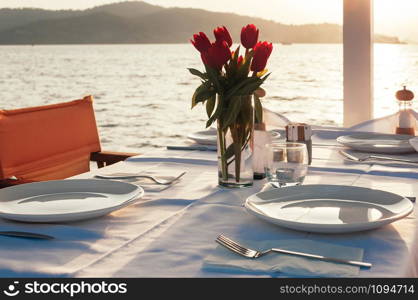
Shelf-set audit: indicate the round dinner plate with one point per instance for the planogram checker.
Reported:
(205, 137)
(378, 143)
(209, 137)
(328, 208)
(66, 200)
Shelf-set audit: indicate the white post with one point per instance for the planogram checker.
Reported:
(358, 61)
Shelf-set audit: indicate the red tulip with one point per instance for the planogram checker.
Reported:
(217, 55)
(201, 42)
(222, 34)
(262, 51)
(249, 36)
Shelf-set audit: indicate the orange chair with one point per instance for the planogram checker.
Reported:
(50, 142)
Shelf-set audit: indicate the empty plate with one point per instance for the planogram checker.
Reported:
(206, 137)
(209, 137)
(66, 200)
(378, 143)
(328, 208)
(414, 143)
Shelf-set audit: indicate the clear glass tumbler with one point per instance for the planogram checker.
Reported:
(287, 163)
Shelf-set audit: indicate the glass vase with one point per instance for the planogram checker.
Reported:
(235, 145)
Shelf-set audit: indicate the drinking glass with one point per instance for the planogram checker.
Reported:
(287, 163)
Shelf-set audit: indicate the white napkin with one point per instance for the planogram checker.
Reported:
(385, 124)
(274, 120)
(224, 260)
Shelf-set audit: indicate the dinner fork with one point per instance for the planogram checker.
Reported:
(251, 253)
(156, 180)
(362, 159)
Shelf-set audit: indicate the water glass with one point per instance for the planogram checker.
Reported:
(287, 163)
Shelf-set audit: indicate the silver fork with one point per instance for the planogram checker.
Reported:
(362, 159)
(250, 253)
(156, 180)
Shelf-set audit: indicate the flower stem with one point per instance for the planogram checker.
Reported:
(222, 146)
(236, 138)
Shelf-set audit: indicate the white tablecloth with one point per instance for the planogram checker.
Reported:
(169, 233)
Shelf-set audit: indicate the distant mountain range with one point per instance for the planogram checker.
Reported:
(140, 22)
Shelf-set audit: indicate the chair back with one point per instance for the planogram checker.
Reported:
(48, 142)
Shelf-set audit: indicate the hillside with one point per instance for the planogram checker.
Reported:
(140, 22)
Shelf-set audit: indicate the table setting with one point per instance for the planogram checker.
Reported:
(253, 195)
(192, 213)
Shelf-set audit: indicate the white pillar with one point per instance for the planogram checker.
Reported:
(358, 61)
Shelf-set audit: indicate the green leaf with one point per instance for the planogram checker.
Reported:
(250, 88)
(233, 91)
(265, 77)
(213, 76)
(232, 112)
(210, 105)
(211, 120)
(245, 68)
(228, 153)
(202, 93)
(217, 113)
(198, 73)
(236, 54)
(234, 62)
(246, 114)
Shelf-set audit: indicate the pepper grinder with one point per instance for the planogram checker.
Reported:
(406, 124)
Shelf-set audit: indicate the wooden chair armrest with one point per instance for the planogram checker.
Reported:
(106, 158)
(103, 158)
(12, 182)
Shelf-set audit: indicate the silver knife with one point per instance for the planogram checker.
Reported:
(192, 148)
(28, 235)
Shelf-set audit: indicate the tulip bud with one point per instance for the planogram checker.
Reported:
(249, 36)
(262, 51)
(222, 34)
(217, 55)
(201, 42)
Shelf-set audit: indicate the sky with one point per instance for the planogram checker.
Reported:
(393, 17)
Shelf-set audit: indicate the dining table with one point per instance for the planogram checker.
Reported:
(171, 232)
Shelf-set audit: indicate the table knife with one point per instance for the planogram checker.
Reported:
(192, 148)
(28, 235)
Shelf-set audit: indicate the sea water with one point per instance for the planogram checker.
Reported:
(143, 92)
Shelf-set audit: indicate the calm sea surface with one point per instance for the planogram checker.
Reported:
(142, 92)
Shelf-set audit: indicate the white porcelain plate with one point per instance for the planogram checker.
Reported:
(378, 143)
(206, 137)
(328, 208)
(414, 143)
(66, 200)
